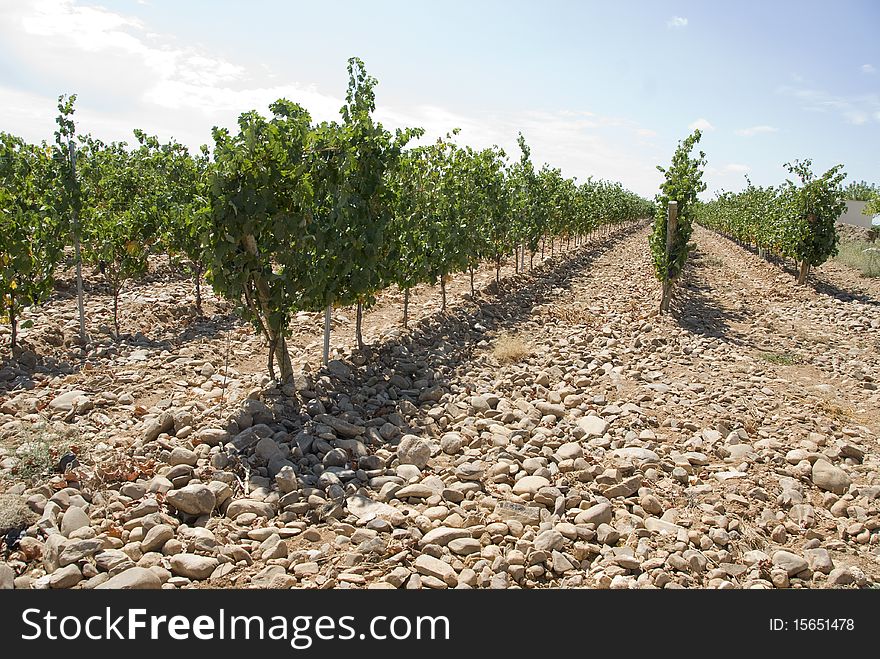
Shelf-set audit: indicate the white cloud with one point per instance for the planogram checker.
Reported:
(756, 130)
(856, 117)
(677, 22)
(736, 168)
(868, 68)
(128, 76)
(646, 132)
(854, 109)
(702, 124)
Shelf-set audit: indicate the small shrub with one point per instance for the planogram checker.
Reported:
(41, 446)
(781, 358)
(861, 255)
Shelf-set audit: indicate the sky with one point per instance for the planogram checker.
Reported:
(603, 89)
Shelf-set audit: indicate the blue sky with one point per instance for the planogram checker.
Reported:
(598, 88)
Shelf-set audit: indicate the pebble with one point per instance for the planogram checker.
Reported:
(415, 468)
(790, 562)
(433, 567)
(193, 566)
(413, 450)
(530, 485)
(192, 500)
(135, 578)
(830, 478)
(593, 426)
(74, 518)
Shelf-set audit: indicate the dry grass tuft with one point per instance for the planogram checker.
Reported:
(511, 348)
(834, 411)
(14, 512)
(575, 312)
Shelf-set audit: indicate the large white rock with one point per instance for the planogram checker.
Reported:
(193, 566)
(135, 578)
(194, 499)
(64, 402)
(530, 484)
(413, 450)
(74, 518)
(592, 425)
(828, 477)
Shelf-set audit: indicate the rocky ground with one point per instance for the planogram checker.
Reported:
(731, 444)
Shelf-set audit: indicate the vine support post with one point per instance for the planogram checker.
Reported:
(77, 253)
(198, 277)
(359, 335)
(327, 313)
(13, 321)
(405, 306)
(671, 235)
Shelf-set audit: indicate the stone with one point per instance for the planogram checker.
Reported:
(651, 504)
(182, 456)
(286, 480)
(434, 567)
(268, 449)
(416, 491)
(561, 564)
(156, 538)
(74, 518)
(113, 561)
(465, 546)
(601, 513)
(469, 472)
(135, 578)
(819, 560)
(635, 454)
(339, 369)
(530, 485)
(194, 499)
(840, 576)
(607, 534)
(570, 451)
(341, 427)
(258, 508)
(552, 409)
(210, 436)
(512, 511)
(155, 427)
(273, 547)
(443, 535)
(593, 426)
(829, 477)
(366, 509)
(193, 566)
(625, 488)
(791, 563)
(413, 450)
(549, 540)
(65, 401)
(66, 577)
(451, 443)
(77, 550)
